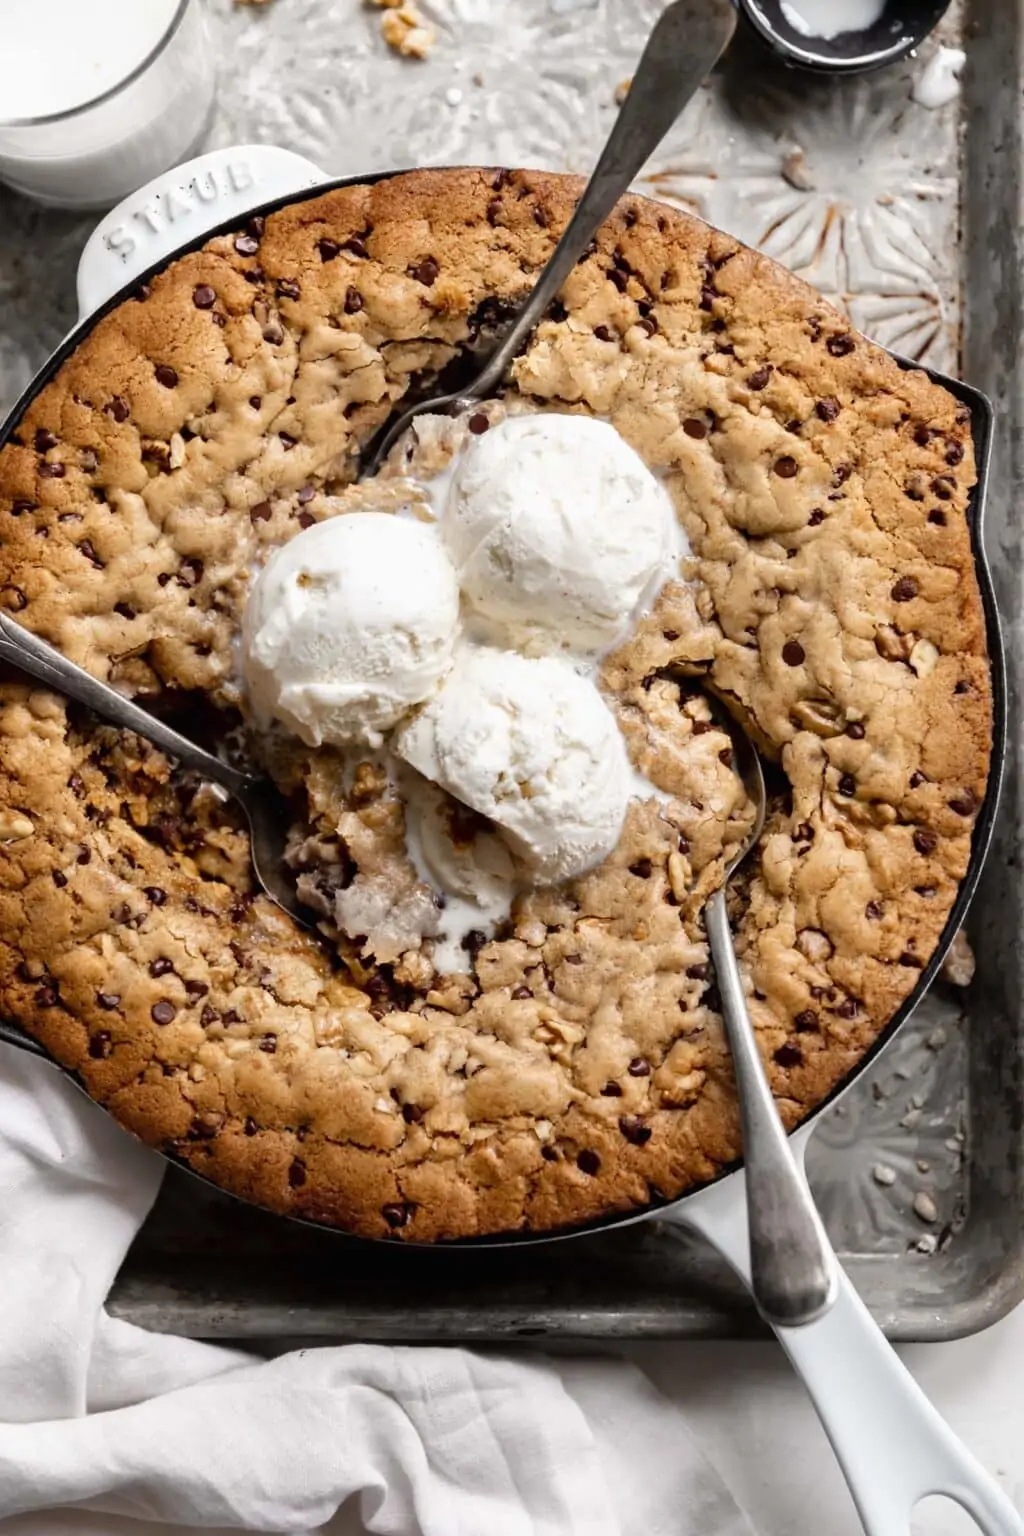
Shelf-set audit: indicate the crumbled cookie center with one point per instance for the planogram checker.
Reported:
(579, 1067)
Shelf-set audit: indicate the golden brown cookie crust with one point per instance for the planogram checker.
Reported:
(582, 1069)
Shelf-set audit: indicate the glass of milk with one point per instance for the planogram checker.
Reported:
(100, 96)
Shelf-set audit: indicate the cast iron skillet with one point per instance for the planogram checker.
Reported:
(982, 429)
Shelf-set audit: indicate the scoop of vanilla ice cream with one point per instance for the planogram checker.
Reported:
(530, 744)
(348, 626)
(557, 530)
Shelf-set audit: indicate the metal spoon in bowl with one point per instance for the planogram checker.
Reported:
(264, 807)
(688, 39)
(794, 1277)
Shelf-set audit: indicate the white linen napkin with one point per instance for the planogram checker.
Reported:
(105, 1428)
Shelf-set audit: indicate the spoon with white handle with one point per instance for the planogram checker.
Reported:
(792, 1267)
(688, 39)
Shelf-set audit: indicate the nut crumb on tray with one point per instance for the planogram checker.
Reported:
(577, 1065)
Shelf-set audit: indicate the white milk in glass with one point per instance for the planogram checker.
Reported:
(99, 96)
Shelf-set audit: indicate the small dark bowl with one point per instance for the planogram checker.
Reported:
(903, 25)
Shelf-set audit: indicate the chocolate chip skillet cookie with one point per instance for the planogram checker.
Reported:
(574, 1064)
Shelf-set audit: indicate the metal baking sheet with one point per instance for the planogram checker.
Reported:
(910, 219)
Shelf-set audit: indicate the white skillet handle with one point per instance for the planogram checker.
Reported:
(181, 205)
(893, 1447)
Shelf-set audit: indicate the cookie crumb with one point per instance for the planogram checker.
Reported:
(959, 965)
(924, 1207)
(794, 170)
(404, 28)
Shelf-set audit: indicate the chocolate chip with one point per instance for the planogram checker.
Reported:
(611, 1090)
(76, 784)
(196, 989)
(786, 467)
(156, 894)
(60, 879)
(328, 248)
(54, 471)
(163, 1012)
(13, 598)
(873, 911)
(287, 441)
(160, 966)
(124, 610)
(841, 345)
(955, 453)
(806, 1021)
(425, 271)
(519, 993)
(725, 756)
(639, 1067)
(793, 653)
(190, 573)
(262, 512)
(256, 401)
(541, 217)
(474, 941)
(357, 247)
(20, 507)
(789, 1055)
(100, 1045)
(45, 440)
(273, 333)
(246, 245)
(88, 549)
(306, 495)
(847, 785)
(268, 1044)
(828, 409)
(911, 961)
(250, 1127)
(208, 1016)
(759, 380)
(603, 333)
(47, 996)
(917, 778)
(297, 1173)
(804, 833)
(695, 429)
(306, 519)
(353, 301)
(697, 972)
(642, 869)
(965, 803)
(634, 1130)
(204, 297)
(648, 325)
(962, 686)
(708, 295)
(412, 1113)
(925, 842)
(397, 1215)
(927, 891)
(166, 376)
(848, 1008)
(478, 424)
(816, 517)
(938, 517)
(588, 1161)
(905, 590)
(288, 288)
(855, 730)
(108, 1000)
(943, 486)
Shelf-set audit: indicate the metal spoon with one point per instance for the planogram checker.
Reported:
(903, 26)
(687, 40)
(262, 804)
(794, 1276)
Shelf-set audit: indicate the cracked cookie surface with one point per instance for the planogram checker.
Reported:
(580, 1068)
